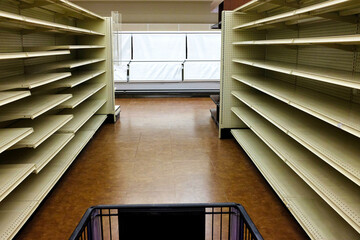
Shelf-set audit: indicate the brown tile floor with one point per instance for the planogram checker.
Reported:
(162, 151)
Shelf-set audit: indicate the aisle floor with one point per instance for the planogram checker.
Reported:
(161, 151)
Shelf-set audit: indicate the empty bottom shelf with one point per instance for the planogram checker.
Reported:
(23, 201)
(318, 219)
(334, 188)
(11, 175)
(94, 123)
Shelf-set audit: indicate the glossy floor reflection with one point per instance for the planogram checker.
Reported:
(161, 151)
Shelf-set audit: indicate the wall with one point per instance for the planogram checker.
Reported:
(232, 4)
(155, 11)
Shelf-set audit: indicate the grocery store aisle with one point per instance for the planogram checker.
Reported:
(161, 151)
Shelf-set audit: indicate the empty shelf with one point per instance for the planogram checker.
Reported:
(15, 55)
(81, 93)
(94, 123)
(22, 202)
(43, 127)
(81, 115)
(14, 214)
(37, 186)
(339, 192)
(31, 81)
(64, 4)
(12, 96)
(40, 156)
(336, 147)
(24, 22)
(11, 175)
(302, 13)
(78, 78)
(32, 107)
(343, 40)
(10, 136)
(338, 112)
(338, 77)
(69, 64)
(65, 47)
(291, 189)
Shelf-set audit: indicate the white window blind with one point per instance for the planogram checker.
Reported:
(204, 46)
(201, 71)
(159, 47)
(124, 47)
(155, 71)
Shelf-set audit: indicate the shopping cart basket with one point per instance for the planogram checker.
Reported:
(167, 221)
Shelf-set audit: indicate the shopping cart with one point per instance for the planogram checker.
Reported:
(167, 221)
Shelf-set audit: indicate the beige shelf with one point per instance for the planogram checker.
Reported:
(94, 123)
(12, 96)
(16, 55)
(338, 77)
(37, 186)
(298, 197)
(22, 202)
(32, 107)
(79, 78)
(64, 47)
(339, 192)
(69, 64)
(44, 127)
(81, 93)
(302, 13)
(26, 22)
(342, 40)
(335, 111)
(10, 136)
(81, 115)
(40, 156)
(67, 5)
(11, 175)
(334, 146)
(14, 214)
(31, 81)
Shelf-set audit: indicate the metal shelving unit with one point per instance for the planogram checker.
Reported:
(31, 81)
(332, 76)
(342, 113)
(290, 96)
(340, 194)
(54, 55)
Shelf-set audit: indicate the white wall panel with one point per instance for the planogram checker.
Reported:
(120, 71)
(204, 46)
(124, 47)
(202, 71)
(159, 46)
(155, 71)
